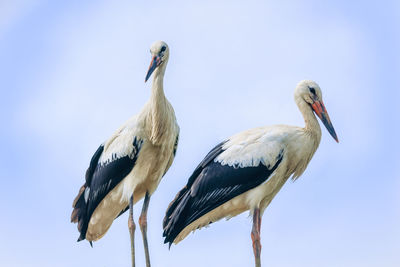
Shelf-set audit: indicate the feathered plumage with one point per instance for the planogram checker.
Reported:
(247, 171)
(131, 163)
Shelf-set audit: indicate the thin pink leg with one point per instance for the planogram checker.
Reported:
(255, 236)
(143, 227)
(132, 227)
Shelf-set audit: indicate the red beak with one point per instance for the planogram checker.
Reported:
(322, 113)
(155, 62)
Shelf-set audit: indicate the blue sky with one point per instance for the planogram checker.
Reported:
(72, 72)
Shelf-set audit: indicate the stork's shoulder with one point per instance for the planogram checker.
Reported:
(249, 148)
(121, 143)
(261, 133)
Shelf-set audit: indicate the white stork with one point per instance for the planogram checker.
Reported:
(247, 170)
(130, 164)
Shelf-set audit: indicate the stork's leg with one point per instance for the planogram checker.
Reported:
(143, 227)
(255, 236)
(132, 227)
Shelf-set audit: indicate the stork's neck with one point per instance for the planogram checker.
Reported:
(157, 89)
(311, 123)
(157, 119)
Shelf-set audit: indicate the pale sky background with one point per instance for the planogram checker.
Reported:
(72, 71)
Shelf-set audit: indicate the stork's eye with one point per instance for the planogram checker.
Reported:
(312, 90)
(163, 48)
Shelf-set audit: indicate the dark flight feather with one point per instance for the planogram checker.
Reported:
(101, 178)
(210, 186)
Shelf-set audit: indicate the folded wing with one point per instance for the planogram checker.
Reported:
(230, 169)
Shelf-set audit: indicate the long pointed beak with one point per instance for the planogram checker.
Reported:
(155, 62)
(322, 113)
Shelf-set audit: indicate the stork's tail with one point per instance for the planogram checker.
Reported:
(79, 212)
(174, 222)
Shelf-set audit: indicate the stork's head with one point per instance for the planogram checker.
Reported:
(310, 92)
(160, 53)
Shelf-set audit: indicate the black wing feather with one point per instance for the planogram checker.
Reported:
(100, 180)
(210, 186)
(209, 157)
(93, 164)
(176, 144)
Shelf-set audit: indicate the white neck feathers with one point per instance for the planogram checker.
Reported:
(158, 113)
